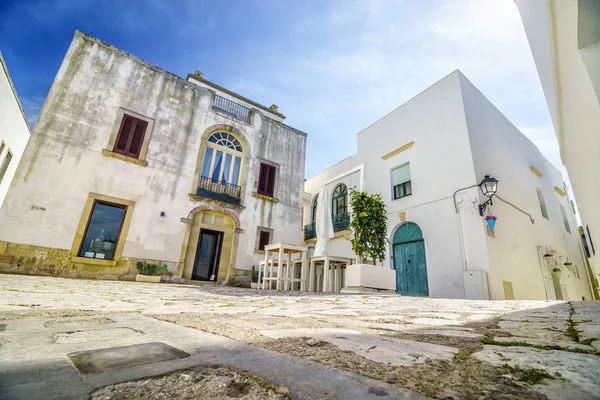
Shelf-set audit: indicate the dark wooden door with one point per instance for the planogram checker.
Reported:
(208, 254)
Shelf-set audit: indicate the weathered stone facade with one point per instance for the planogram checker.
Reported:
(71, 162)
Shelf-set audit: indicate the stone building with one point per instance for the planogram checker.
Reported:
(128, 162)
(426, 158)
(14, 129)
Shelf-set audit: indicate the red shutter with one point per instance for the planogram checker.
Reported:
(262, 179)
(124, 132)
(263, 240)
(271, 181)
(131, 136)
(138, 138)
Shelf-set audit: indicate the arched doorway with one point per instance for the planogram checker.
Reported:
(210, 247)
(409, 261)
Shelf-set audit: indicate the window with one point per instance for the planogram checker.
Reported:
(4, 165)
(339, 208)
(103, 230)
(542, 203)
(401, 184)
(565, 220)
(313, 218)
(263, 240)
(222, 159)
(131, 136)
(266, 180)
(589, 236)
(1, 147)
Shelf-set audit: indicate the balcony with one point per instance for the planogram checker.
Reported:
(225, 192)
(310, 231)
(232, 109)
(341, 221)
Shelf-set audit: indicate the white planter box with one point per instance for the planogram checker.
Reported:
(369, 278)
(147, 278)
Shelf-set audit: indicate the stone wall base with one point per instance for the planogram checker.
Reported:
(37, 260)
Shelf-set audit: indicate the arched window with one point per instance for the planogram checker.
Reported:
(313, 215)
(222, 159)
(339, 208)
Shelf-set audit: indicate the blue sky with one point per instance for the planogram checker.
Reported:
(333, 67)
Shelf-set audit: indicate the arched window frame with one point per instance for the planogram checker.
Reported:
(313, 212)
(339, 208)
(223, 158)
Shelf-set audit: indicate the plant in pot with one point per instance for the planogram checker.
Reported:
(556, 271)
(149, 272)
(369, 241)
(254, 278)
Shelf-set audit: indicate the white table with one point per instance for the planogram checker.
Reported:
(284, 263)
(333, 267)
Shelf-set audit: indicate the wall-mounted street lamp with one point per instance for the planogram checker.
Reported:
(488, 186)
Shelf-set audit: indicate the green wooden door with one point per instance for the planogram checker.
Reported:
(409, 261)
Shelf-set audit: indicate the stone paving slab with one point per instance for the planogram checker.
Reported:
(29, 353)
(579, 370)
(540, 342)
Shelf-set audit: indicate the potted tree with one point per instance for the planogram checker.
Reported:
(369, 240)
(150, 273)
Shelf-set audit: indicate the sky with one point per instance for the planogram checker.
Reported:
(333, 67)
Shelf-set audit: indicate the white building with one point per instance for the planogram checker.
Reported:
(564, 36)
(128, 163)
(421, 157)
(14, 130)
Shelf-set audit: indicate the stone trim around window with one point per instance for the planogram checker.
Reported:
(260, 229)
(109, 150)
(83, 223)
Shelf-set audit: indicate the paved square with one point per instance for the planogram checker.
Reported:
(310, 346)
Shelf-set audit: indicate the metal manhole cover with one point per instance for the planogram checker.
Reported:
(92, 361)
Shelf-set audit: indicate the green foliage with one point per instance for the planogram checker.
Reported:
(555, 269)
(369, 224)
(149, 269)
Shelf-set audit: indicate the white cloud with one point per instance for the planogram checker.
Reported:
(32, 106)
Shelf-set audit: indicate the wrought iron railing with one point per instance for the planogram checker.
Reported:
(214, 189)
(341, 221)
(232, 109)
(310, 231)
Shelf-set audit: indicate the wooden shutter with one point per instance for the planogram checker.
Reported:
(270, 180)
(262, 179)
(263, 240)
(131, 136)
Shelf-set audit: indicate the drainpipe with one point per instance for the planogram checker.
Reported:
(460, 229)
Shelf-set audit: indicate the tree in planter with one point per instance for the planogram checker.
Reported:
(369, 225)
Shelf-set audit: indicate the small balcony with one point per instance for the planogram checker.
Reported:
(225, 192)
(310, 231)
(232, 109)
(341, 221)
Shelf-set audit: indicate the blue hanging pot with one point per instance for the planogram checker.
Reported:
(491, 221)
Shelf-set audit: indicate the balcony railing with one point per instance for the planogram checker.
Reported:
(310, 231)
(341, 221)
(233, 109)
(213, 189)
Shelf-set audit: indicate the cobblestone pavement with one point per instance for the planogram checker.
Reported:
(441, 348)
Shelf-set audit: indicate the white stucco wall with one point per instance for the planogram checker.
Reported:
(440, 164)
(63, 162)
(576, 72)
(14, 127)
(500, 149)
(459, 136)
